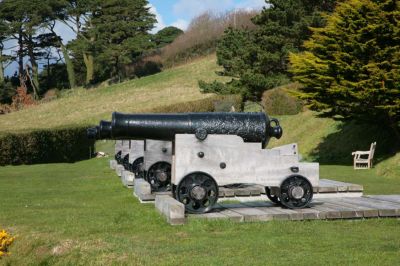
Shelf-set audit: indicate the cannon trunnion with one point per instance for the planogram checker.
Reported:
(202, 151)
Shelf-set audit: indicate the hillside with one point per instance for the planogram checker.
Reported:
(84, 107)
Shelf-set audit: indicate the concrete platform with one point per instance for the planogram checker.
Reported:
(128, 178)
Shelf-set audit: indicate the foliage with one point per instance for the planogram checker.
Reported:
(7, 91)
(166, 36)
(121, 29)
(5, 242)
(22, 99)
(279, 102)
(54, 76)
(257, 60)
(68, 144)
(351, 67)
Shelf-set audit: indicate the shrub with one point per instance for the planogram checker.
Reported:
(5, 242)
(45, 146)
(279, 102)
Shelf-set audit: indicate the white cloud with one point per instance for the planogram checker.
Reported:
(193, 8)
(181, 24)
(160, 22)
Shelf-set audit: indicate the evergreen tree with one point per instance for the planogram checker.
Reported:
(121, 28)
(258, 60)
(166, 36)
(351, 67)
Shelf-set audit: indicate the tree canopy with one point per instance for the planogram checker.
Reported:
(351, 67)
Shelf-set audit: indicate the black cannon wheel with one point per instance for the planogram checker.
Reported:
(125, 162)
(273, 198)
(118, 157)
(198, 192)
(296, 192)
(137, 167)
(159, 176)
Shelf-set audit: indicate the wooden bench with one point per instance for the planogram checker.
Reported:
(363, 159)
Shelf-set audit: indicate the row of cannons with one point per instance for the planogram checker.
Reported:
(194, 154)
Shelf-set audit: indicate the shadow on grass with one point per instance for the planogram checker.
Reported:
(351, 136)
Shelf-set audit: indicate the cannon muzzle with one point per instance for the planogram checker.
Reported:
(102, 131)
(92, 133)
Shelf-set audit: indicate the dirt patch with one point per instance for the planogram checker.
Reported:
(63, 248)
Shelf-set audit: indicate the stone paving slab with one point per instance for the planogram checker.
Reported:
(173, 210)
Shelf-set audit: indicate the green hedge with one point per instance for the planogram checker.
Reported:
(45, 146)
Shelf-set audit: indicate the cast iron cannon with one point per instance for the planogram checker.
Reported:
(251, 127)
(218, 149)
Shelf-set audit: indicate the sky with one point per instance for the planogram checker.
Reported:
(176, 13)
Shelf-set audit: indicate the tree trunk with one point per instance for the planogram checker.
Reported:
(1, 66)
(69, 65)
(20, 55)
(89, 63)
(35, 68)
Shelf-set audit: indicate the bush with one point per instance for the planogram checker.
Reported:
(279, 102)
(45, 146)
(5, 241)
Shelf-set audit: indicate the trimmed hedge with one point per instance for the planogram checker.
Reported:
(71, 144)
(45, 146)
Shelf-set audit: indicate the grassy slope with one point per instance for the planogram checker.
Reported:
(89, 106)
(79, 214)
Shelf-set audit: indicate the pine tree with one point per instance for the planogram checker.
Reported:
(351, 67)
(166, 36)
(121, 28)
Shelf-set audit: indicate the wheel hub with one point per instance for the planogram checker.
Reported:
(297, 192)
(162, 176)
(198, 192)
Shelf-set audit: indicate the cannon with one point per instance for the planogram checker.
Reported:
(217, 149)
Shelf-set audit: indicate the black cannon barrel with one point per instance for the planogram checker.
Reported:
(252, 127)
(102, 131)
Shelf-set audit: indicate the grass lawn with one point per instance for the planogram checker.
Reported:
(79, 214)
